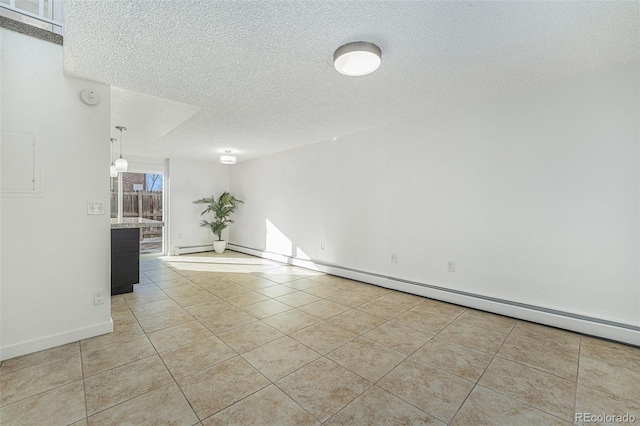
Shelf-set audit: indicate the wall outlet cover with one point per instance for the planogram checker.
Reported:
(95, 207)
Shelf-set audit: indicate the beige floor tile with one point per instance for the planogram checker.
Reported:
(398, 337)
(32, 380)
(226, 320)
(256, 283)
(614, 353)
(185, 290)
(196, 356)
(610, 378)
(178, 335)
(284, 278)
(443, 309)
(269, 406)
(382, 308)
(546, 358)
(346, 283)
(304, 284)
(195, 299)
(367, 358)
(323, 337)
(297, 299)
(593, 401)
(154, 307)
(122, 315)
(122, 330)
(290, 321)
(402, 298)
(162, 320)
(82, 422)
(548, 336)
(462, 361)
(162, 406)
(323, 309)
(325, 278)
(422, 320)
(137, 298)
(206, 309)
(250, 336)
(63, 405)
(435, 391)
(161, 274)
(371, 290)
(324, 291)
(120, 384)
(351, 299)
(172, 282)
(276, 290)
(493, 322)
(356, 321)
(244, 299)
(541, 390)
(265, 309)
(323, 387)
(378, 407)
(474, 337)
(223, 289)
(45, 356)
(280, 357)
(221, 385)
(109, 356)
(485, 407)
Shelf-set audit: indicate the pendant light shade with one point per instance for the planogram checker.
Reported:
(112, 169)
(228, 159)
(357, 59)
(121, 164)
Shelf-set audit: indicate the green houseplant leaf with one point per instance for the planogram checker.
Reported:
(222, 209)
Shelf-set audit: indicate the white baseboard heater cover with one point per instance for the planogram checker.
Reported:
(192, 249)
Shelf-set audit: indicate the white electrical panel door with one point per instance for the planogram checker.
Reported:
(19, 174)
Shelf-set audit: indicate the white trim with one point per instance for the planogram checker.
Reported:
(54, 340)
(625, 333)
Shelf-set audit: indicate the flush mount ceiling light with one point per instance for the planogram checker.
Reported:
(121, 164)
(112, 169)
(228, 159)
(357, 59)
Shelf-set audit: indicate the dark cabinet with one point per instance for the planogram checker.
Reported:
(125, 259)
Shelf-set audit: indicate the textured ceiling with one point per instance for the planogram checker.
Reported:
(261, 72)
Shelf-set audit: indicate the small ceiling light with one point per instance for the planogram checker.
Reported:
(357, 59)
(121, 163)
(112, 169)
(228, 159)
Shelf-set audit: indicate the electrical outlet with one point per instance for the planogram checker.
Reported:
(394, 257)
(98, 298)
(322, 246)
(451, 266)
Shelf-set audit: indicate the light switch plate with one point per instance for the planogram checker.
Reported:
(95, 207)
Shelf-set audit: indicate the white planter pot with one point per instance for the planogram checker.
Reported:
(219, 246)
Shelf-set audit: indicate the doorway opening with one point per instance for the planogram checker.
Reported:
(141, 195)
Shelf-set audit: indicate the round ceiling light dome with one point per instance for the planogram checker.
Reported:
(357, 59)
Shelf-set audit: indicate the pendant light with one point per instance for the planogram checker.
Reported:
(357, 59)
(112, 170)
(228, 159)
(121, 163)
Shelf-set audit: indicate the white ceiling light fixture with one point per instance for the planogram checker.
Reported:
(228, 159)
(112, 169)
(121, 164)
(357, 59)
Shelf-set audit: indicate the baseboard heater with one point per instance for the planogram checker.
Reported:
(192, 249)
(626, 333)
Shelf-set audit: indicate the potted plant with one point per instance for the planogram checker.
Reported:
(222, 209)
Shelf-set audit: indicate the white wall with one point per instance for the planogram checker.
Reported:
(191, 180)
(54, 255)
(535, 197)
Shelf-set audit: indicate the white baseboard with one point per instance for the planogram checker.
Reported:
(54, 340)
(624, 333)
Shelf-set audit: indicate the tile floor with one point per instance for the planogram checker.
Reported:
(233, 339)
